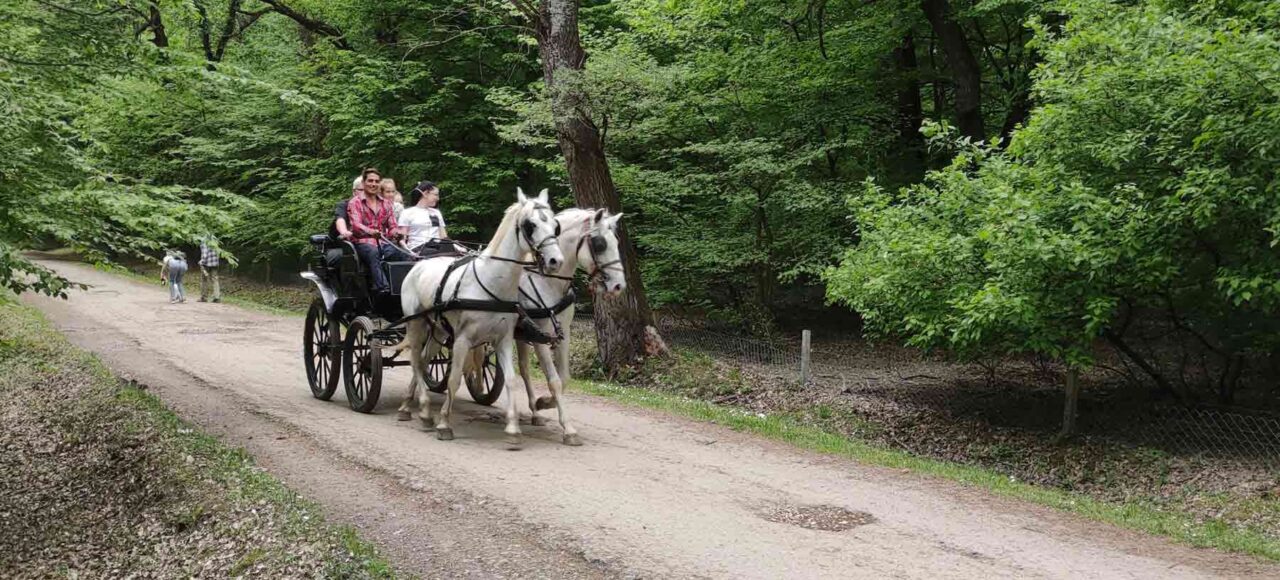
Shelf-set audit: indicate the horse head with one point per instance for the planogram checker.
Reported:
(538, 229)
(600, 253)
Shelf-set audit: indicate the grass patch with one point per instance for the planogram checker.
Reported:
(787, 428)
(102, 480)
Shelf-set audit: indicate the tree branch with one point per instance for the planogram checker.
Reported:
(314, 25)
(528, 9)
(62, 8)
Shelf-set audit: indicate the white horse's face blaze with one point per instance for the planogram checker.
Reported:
(538, 229)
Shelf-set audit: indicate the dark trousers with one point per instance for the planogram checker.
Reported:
(373, 256)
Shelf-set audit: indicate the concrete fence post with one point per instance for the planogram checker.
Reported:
(805, 373)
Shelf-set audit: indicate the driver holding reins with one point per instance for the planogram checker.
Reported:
(374, 230)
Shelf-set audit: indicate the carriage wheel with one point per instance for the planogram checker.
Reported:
(321, 350)
(362, 366)
(486, 382)
(437, 371)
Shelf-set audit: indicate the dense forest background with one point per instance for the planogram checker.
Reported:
(989, 176)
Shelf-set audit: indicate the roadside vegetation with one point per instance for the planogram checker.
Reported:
(100, 480)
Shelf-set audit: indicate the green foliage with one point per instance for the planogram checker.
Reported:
(53, 189)
(714, 114)
(1146, 180)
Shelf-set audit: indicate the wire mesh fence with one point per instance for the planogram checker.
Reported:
(854, 371)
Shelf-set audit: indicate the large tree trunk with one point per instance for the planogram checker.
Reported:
(965, 72)
(621, 322)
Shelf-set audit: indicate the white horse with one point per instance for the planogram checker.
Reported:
(492, 278)
(588, 240)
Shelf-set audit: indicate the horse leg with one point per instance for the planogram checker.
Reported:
(505, 363)
(413, 338)
(547, 360)
(427, 354)
(522, 358)
(460, 350)
(562, 349)
(560, 360)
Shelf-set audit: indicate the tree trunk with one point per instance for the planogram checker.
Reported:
(621, 322)
(965, 72)
(910, 109)
(156, 24)
(1019, 111)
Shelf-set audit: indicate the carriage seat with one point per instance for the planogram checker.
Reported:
(334, 251)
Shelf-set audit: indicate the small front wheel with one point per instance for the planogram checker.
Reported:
(362, 365)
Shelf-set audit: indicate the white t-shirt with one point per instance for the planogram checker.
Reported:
(424, 224)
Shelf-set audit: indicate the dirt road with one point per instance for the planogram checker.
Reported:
(647, 496)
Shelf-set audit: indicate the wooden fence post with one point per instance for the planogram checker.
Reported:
(804, 357)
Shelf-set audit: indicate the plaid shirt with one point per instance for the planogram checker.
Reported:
(208, 257)
(361, 217)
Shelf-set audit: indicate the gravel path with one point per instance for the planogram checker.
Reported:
(647, 496)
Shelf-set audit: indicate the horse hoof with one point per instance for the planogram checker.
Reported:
(444, 434)
(572, 440)
(538, 421)
(514, 442)
(403, 415)
(544, 402)
(427, 425)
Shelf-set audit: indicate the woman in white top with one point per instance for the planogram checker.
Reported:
(423, 223)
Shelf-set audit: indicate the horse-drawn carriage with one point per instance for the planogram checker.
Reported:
(347, 326)
(515, 295)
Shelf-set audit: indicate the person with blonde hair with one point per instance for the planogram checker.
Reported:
(391, 194)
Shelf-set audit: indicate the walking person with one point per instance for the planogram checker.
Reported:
(171, 271)
(209, 263)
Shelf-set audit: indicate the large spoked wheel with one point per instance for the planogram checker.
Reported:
(321, 350)
(485, 379)
(438, 370)
(362, 365)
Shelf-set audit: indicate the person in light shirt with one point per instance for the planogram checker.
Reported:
(423, 224)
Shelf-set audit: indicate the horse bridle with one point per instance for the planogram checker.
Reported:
(596, 244)
(526, 234)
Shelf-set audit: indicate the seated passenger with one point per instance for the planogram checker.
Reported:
(373, 230)
(338, 229)
(423, 224)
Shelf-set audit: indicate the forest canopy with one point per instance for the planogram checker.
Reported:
(980, 176)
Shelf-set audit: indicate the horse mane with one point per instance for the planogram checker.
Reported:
(505, 228)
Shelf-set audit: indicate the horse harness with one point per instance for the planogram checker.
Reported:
(494, 303)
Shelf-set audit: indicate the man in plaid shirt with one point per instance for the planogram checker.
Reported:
(209, 263)
(373, 227)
